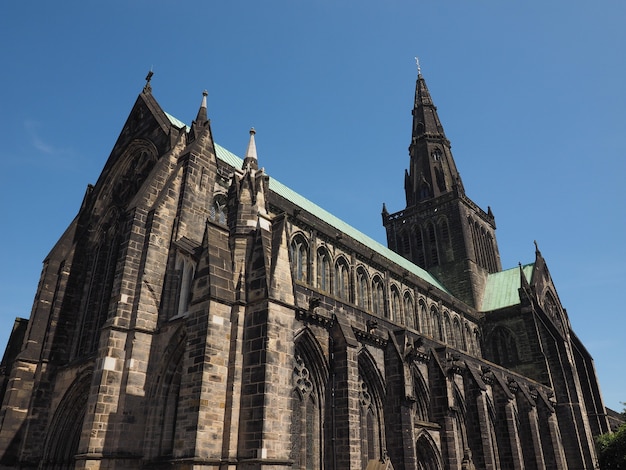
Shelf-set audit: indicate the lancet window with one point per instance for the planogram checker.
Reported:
(323, 270)
(396, 307)
(410, 314)
(362, 290)
(300, 258)
(342, 279)
(378, 298)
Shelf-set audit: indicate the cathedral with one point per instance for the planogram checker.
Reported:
(199, 314)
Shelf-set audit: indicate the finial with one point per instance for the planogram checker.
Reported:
(148, 87)
(204, 95)
(417, 62)
(251, 157)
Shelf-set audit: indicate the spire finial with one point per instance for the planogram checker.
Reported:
(251, 157)
(147, 87)
(417, 62)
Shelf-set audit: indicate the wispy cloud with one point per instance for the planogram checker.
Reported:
(38, 149)
(35, 139)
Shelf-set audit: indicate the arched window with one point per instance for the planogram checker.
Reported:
(432, 245)
(458, 335)
(477, 342)
(378, 299)
(428, 457)
(185, 270)
(217, 211)
(424, 320)
(420, 393)
(405, 245)
(300, 258)
(446, 240)
(309, 377)
(437, 331)
(105, 252)
(396, 307)
(342, 279)
(469, 339)
(410, 314)
(419, 255)
(323, 270)
(448, 330)
(362, 291)
(504, 347)
(371, 399)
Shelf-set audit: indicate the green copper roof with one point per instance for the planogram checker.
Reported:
(178, 123)
(302, 202)
(502, 288)
(337, 223)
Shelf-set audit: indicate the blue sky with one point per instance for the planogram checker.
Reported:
(531, 95)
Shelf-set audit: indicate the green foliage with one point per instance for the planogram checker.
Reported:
(612, 449)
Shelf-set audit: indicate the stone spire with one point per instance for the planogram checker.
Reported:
(202, 112)
(432, 171)
(251, 158)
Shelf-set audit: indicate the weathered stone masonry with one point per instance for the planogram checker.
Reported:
(198, 314)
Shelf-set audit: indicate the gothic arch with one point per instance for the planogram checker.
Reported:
(362, 288)
(421, 394)
(104, 248)
(428, 456)
(299, 251)
(410, 315)
(63, 437)
(459, 341)
(552, 310)
(127, 174)
(460, 418)
(423, 318)
(309, 347)
(310, 376)
(449, 334)
(371, 398)
(445, 239)
(396, 306)
(403, 243)
(324, 275)
(419, 257)
(437, 329)
(433, 249)
(342, 278)
(164, 395)
(378, 296)
(467, 339)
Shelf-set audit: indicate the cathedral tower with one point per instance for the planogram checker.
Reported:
(441, 229)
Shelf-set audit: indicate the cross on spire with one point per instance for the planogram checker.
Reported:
(148, 88)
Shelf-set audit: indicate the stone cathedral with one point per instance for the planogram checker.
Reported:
(199, 314)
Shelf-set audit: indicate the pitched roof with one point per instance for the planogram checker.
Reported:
(233, 160)
(315, 210)
(502, 288)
